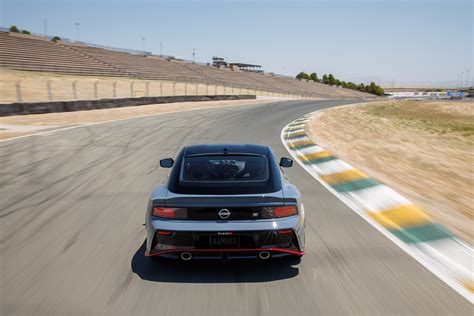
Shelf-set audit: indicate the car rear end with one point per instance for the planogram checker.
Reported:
(262, 230)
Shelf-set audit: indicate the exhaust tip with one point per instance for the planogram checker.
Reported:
(264, 255)
(186, 256)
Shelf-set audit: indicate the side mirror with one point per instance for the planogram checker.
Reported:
(166, 163)
(286, 162)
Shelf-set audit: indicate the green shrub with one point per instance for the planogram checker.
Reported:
(55, 39)
(14, 29)
(325, 79)
(331, 79)
(303, 75)
(314, 77)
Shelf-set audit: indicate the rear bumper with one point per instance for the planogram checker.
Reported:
(227, 253)
(280, 237)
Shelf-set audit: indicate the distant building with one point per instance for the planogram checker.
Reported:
(218, 62)
(416, 95)
(245, 67)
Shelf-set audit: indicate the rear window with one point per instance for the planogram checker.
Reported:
(225, 168)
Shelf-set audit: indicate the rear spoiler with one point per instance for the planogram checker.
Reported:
(185, 200)
(224, 154)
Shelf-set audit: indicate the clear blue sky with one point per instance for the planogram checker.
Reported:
(409, 42)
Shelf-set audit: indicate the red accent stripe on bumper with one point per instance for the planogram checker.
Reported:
(225, 250)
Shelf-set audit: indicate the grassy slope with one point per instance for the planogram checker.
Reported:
(425, 150)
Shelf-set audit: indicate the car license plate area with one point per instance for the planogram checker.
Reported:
(218, 241)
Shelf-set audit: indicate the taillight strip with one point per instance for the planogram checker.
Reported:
(163, 232)
(285, 231)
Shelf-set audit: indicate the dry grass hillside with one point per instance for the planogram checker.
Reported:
(423, 149)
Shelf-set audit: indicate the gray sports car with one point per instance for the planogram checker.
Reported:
(225, 201)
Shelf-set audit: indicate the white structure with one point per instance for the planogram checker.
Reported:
(416, 95)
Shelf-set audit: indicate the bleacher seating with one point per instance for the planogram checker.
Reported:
(24, 52)
(31, 53)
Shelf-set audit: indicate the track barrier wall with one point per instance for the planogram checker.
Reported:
(69, 106)
(22, 87)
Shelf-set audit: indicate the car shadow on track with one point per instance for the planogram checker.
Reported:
(212, 271)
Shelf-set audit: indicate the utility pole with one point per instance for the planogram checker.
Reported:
(143, 43)
(467, 78)
(161, 48)
(77, 31)
(194, 55)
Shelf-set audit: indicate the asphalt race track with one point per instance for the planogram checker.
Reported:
(73, 205)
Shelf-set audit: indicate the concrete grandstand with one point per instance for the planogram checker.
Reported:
(38, 54)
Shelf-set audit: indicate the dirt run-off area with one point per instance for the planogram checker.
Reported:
(20, 125)
(422, 149)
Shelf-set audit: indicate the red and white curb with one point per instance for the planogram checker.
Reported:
(408, 226)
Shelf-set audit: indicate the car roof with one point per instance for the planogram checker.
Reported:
(228, 148)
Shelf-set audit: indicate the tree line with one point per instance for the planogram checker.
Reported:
(329, 79)
(15, 29)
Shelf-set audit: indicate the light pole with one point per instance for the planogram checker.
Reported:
(77, 31)
(143, 43)
(467, 78)
(45, 26)
(161, 48)
(194, 55)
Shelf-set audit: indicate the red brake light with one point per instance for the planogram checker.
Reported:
(284, 211)
(285, 231)
(170, 212)
(278, 211)
(163, 232)
(163, 212)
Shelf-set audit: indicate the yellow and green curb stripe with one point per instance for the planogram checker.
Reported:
(301, 144)
(410, 224)
(354, 185)
(295, 128)
(295, 135)
(349, 180)
(400, 216)
(317, 157)
(422, 233)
